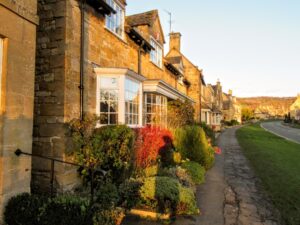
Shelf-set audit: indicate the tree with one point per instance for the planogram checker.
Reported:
(247, 114)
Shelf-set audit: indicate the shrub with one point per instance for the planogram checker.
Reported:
(192, 143)
(107, 196)
(180, 113)
(115, 145)
(167, 195)
(183, 177)
(150, 143)
(109, 148)
(209, 133)
(130, 193)
(23, 209)
(66, 210)
(108, 216)
(187, 204)
(196, 171)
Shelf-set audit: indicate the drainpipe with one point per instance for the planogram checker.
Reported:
(81, 86)
(200, 99)
(140, 58)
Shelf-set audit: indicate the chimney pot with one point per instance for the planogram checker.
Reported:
(175, 41)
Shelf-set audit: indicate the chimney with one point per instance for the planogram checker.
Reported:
(175, 39)
(230, 92)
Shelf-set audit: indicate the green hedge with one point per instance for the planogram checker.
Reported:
(26, 209)
(192, 143)
(196, 171)
(23, 209)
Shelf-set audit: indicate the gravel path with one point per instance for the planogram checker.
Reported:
(290, 133)
(232, 195)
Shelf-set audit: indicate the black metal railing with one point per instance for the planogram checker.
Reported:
(19, 152)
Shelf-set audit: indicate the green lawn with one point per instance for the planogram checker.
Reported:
(277, 162)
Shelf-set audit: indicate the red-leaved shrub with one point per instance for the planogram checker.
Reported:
(151, 142)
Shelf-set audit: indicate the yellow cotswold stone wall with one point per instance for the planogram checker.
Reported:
(18, 29)
(58, 78)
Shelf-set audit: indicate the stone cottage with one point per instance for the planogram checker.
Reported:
(295, 109)
(232, 110)
(18, 21)
(192, 74)
(92, 58)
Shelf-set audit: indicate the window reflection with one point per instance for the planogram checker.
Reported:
(155, 109)
(132, 102)
(109, 100)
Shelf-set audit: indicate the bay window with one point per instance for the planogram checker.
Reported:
(156, 53)
(109, 96)
(132, 102)
(115, 22)
(119, 97)
(155, 108)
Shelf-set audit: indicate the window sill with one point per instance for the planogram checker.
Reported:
(116, 35)
(157, 66)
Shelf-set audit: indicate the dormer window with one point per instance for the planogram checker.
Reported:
(156, 53)
(115, 22)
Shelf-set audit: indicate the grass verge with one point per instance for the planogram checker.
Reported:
(277, 162)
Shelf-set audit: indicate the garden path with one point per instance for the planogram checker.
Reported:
(290, 133)
(232, 195)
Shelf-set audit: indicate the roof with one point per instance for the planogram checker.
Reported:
(146, 18)
(204, 105)
(174, 60)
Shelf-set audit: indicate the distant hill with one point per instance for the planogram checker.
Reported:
(274, 106)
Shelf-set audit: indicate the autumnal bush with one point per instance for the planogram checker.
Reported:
(195, 170)
(191, 142)
(180, 113)
(167, 195)
(151, 142)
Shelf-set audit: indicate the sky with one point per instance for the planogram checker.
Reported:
(253, 47)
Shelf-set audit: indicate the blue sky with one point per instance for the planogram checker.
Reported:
(253, 47)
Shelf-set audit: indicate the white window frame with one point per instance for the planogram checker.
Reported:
(1, 67)
(162, 105)
(121, 98)
(99, 98)
(158, 53)
(130, 113)
(114, 17)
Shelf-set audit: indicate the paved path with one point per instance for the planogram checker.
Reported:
(232, 195)
(281, 130)
(245, 202)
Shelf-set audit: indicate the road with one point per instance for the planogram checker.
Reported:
(292, 134)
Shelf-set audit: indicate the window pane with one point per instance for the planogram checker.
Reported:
(109, 83)
(104, 106)
(113, 107)
(132, 101)
(115, 22)
(113, 95)
(104, 118)
(113, 118)
(156, 111)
